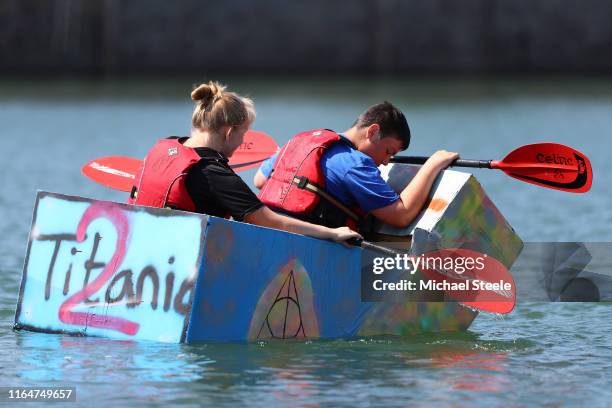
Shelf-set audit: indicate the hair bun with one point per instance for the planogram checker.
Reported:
(207, 94)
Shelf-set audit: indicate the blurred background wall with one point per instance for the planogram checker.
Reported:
(116, 38)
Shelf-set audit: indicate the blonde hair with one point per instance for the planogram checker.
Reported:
(216, 107)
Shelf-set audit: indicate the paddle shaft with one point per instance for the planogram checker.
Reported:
(370, 245)
(486, 164)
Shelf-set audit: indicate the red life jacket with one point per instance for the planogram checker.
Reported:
(297, 183)
(161, 181)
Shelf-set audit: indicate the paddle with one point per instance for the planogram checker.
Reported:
(480, 293)
(549, 165)
(119, 172)
(116, 172)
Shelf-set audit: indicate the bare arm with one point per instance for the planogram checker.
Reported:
(413, 197)
(259, 180)
(268, 218)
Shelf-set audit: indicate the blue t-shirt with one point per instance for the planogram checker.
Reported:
(350, 176)
(268, 165)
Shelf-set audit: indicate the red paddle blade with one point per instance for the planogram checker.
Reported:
(116, 172)
(549, 165)
(472, 278)
(256, 147)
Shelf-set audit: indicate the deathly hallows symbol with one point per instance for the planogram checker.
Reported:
(287, 297)
(285, 309)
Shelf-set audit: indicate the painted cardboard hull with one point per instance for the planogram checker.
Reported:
(114, 270)
(458, 214)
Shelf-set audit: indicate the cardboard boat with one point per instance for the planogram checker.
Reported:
(107, 269)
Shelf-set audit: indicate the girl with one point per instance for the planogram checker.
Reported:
(192, 173)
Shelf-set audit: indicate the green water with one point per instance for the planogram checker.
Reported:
(541, 354)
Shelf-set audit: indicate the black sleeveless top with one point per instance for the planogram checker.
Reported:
(217, 190)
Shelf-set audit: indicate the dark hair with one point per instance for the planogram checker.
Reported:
(391, 120)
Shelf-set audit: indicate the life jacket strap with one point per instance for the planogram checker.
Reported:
(304, 184)
(167, 195)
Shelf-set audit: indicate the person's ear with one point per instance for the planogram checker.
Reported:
(373, 133)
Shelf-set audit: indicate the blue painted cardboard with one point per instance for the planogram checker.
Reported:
(127, 272)
(249, 273)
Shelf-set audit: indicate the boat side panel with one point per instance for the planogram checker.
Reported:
(108, 269)
(258, 283)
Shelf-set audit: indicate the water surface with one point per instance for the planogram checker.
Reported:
(545, 354)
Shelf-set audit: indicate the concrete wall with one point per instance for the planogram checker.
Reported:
(115, 37)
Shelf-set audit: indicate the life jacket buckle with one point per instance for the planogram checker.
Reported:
(302, 182)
